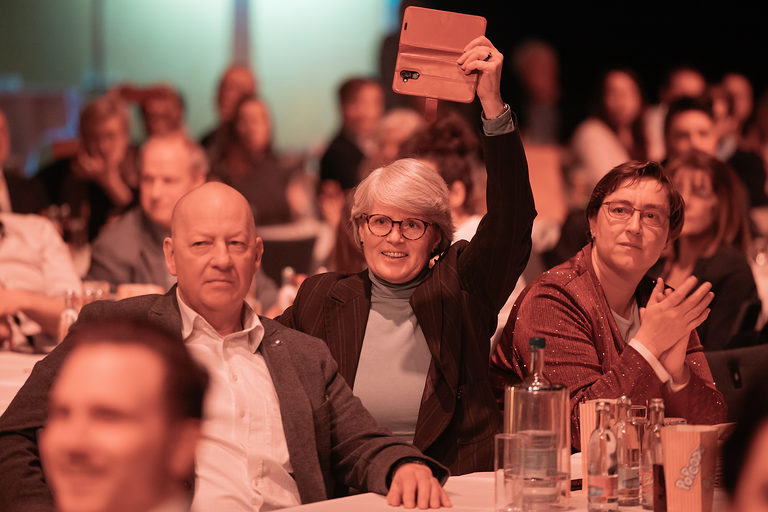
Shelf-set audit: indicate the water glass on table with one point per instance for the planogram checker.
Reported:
(508, 471)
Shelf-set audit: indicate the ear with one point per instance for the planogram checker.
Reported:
(457, 194)
(592, 227)
(258, 251)
(168, 252)
(183, 442)
(359, 230)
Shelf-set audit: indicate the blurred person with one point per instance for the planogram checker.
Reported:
(726, 125)
(236, 82)
(756, 130)
(162, 111)
(101, 179)
(612, 136)
(113, 442)
(361, 103)
(537, 69)
(714, 243)
(280, 427)
(407, 333)
(740, 90)
(680, 82)
(609, 329)
(745, 454)
(17, 193)
(450, 146)
(246, 160)
(36, 271)
(130, 249)
(395, 128)
(690, 124)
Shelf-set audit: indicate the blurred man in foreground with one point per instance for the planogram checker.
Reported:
(114, 442)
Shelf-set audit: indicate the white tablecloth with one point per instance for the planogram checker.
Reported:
(14, 370)
(469, 493)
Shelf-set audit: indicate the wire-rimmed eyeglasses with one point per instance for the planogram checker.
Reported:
(622, 210)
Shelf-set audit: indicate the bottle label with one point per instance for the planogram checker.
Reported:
(602, 488)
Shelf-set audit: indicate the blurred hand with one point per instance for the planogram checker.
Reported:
(669, 317)
(414, 485)
(482, 57)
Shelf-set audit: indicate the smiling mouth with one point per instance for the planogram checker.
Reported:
(633, 246)
(394, 254)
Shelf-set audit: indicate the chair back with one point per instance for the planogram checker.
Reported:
(736, 370)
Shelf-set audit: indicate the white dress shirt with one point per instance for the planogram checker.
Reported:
(242, 460)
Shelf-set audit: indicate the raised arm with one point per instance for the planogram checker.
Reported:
(496, 256)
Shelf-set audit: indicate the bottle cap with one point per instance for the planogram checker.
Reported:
(537, 343)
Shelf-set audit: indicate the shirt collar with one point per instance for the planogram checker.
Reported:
(191, 320)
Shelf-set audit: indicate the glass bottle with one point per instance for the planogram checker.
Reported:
(653, 490)
(628, 453)
(69, 315)
(602, 466)
(538, 410)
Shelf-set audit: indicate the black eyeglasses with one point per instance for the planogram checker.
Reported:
(381, 225)
(621, 210)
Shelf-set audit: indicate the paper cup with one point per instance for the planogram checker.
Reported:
(690, 455)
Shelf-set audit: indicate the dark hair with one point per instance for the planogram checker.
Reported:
(639, 139)
(632, 172)
(350, 87)
(185, 381)
(701, 104)
(451, 145)
(732, 227)
(753, 417)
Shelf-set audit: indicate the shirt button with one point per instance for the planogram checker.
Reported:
(234, 377)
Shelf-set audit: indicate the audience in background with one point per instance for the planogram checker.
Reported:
(537, 71)
(681, 82)
(130, 249)
(246, 160)
(36, 271)
(101, 179)
(612, 136)
(17, 193)
(714, 245)
(236, 82)
(690, 124)
(114, 442)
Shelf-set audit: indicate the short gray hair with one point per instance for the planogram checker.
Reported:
(407, 184)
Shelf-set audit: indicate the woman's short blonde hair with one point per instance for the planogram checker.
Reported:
(407, 184)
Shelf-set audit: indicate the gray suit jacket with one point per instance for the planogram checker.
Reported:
(331, 438)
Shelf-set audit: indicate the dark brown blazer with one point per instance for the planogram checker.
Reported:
(456, 307)
(331, 438)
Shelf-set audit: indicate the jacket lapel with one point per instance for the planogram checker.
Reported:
(165, 312)
(438, 310)
(346, 316)
(296, 412)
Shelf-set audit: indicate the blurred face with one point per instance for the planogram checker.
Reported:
(253, 126)
(630, 246)
(622, 98)
(695, 186)
(686, 83)
(691, 129)
(214, 251)
(236, 83)
(5, 139)
(752, 488)
(740, 89)
(393, 257)
(165, 177)
(162, 116)
(363, 112)
(108, 140)
(541, 76)
(108, 441)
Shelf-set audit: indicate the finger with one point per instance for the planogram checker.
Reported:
(682, 291)
(424, 492)
(478, 41)
(435, 497)
(478, 65)
(395, 495)
(657, 294)
(478, 52)
(699, 319)
(445, 501)
(409, 492)
(702, 294)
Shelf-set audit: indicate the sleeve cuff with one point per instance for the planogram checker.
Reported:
(505, 123)
(657, 367)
